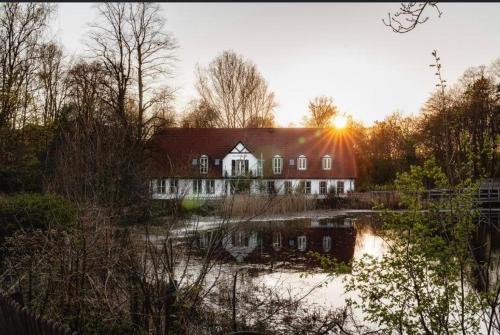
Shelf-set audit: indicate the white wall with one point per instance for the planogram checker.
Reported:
(186, 187)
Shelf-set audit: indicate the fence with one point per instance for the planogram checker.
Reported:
(18, 320)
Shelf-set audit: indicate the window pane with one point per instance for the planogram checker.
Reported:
(204, 164)
(277, 165)
(173, 185)
(270, 187)
(307, 189)
(302, 243)
(210, 186)
(340, 187)
(327, 243)
(322, 187)
(327, 163)
(302, 163)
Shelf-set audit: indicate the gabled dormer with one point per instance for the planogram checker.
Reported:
(240, 148)
(239, 162)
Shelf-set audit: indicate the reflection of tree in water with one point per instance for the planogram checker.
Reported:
(486, 246)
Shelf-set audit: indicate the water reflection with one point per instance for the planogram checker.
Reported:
(291, 241)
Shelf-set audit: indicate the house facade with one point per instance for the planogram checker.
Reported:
(217, 162)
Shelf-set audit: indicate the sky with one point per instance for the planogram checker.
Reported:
(304, 50)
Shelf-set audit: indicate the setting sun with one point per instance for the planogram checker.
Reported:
(340, 121)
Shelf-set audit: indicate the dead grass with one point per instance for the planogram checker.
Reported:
(243, 205)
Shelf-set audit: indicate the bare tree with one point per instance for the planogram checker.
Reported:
(152, 52)
(234, 88)
(163, 112)
(322, 111)
(409, 15)
(21, 28)
(112, 44)
(50, 75)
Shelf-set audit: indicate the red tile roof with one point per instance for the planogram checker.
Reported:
(175, 149)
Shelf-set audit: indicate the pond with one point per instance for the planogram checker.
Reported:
(277, 252)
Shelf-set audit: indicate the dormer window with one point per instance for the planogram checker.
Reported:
(326, 162)
(302, 162)
(277, 164)
(204, 164)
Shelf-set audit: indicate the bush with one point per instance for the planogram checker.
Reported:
(35, 211)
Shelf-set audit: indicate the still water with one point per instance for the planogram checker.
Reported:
(277, 253)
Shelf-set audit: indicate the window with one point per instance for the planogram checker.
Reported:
(302, 243)
(327, 243)
(307, 187)
(205, 238)
(161, 186)
(239, 167)
(340, 187)
(270, 187)
(240, 239)
(277, 164)
(277, 240)
(326, 162)
(197, 186)
(302, 163)
(322, 187)
(260, 168)
(217, 161)
(291, 162)
(204, 164)
(288, 187)
(210, 186)
(174, 185)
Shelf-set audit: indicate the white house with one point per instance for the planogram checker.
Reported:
(215, 162)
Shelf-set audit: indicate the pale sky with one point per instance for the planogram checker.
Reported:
(304, 50)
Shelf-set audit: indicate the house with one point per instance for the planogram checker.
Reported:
(216, 162)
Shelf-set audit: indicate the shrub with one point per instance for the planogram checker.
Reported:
(35, 211)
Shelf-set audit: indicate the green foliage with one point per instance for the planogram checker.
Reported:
(422, 285)
(35, 211)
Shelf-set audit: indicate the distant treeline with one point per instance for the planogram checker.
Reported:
(77, 126)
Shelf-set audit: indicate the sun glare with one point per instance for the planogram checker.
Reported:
(340, 121)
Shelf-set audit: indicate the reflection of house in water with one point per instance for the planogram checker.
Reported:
(288, 241)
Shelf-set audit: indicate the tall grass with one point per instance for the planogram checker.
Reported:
(244, 205)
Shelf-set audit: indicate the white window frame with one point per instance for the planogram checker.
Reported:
(326, 162)
(327, 243)
(325, 190)
(241, 239)
(340, 182)
(302, 243)
(288, 186)
(307, 190)
(204, 164)
(174, 186)
(197, 186)
(277, 240)
(210, 186)
(302, 162)
(271, 190)
(161, 186)
(277, 164)
(240, 167)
